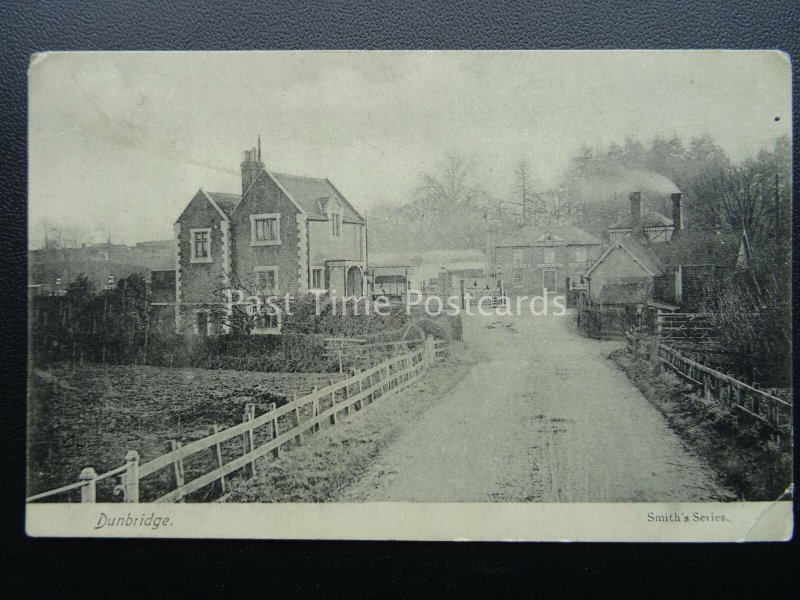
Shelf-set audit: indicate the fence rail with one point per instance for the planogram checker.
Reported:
(283, 425)
(722, 388)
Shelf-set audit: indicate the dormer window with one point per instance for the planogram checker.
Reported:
(336, 224)
(265, 229)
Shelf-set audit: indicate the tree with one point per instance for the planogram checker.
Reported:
(523, 182)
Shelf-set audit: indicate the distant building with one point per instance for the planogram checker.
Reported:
(544, 259)
(98, 261)
(643, 268)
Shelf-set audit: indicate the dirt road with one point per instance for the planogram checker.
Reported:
(543, 416)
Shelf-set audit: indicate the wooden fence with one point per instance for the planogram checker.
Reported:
(604, 323)
(260, 435)
(722, 388)
(693, 326)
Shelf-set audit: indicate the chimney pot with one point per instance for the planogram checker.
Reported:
(677, 211)
(636, 209)
(251, 167)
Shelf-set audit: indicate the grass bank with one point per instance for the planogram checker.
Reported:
(92, 415)
(336, 457)
(737, 449)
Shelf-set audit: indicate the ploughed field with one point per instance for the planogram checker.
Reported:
(92, 415)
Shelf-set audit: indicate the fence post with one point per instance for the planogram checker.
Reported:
(333, 404)
(654, 354)
(179, 478)
(360, 388)
(430, 350)
(299, 437)
(249, 415)
(219, 458)
(277, 451)
(754, 399)
(315, 409)
(132, 476)
(346, 390)
(89, 491)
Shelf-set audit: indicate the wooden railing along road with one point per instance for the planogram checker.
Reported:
(769, 410)
(260, 435)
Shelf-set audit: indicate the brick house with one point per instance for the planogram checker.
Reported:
(283, 234)
(542, 259)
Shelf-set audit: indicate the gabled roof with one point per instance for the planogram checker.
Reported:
(308, 192)
(650, 218)
(641, 254)
(692, 247)
(226, 202)
(329, 203)
(204, 194)
(533, 234)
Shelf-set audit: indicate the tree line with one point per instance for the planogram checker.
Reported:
(451, 207)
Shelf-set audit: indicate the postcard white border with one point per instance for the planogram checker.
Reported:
(745, 521)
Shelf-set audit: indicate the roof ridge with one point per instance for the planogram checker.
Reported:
(298, 176)
(226, 194)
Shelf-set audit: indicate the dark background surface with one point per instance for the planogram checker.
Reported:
(316, 569)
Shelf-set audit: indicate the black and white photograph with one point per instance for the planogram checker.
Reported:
(491, 295)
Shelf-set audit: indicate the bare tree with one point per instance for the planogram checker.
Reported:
(523, 184)
(735, 196)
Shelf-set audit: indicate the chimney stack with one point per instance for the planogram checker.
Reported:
(251, 166)
(677, 214)
(636, 209)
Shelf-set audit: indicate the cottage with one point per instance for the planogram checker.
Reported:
(643, 268)
(284, 234)
(549, 259)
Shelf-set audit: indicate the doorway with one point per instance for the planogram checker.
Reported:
(353, 286)
(549, 281)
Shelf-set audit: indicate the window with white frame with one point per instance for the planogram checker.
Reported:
(336, 224)
(316, 278)
(200, 242)
(550, 255)
(265, 229)
(517, 255)
(517, 280)
(266, 280)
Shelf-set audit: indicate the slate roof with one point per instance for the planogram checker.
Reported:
(528, 235)
(699, 247)
(650, 218)
(226, 202)
(311, 193)
(642, 254)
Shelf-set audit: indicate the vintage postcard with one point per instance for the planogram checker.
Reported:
(505, 295)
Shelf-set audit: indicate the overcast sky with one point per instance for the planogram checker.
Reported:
(120, 142)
